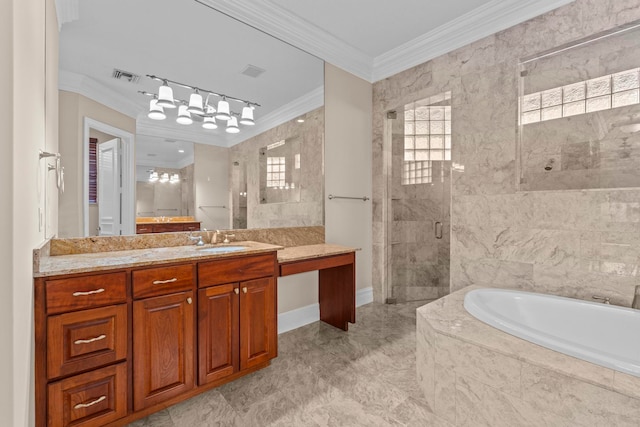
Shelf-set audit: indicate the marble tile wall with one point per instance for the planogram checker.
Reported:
(571, 242)
(309, 211)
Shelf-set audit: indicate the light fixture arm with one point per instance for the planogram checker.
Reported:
(207, 91)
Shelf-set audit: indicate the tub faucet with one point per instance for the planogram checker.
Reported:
(605, 300)
(636, 298)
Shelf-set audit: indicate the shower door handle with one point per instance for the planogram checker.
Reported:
(437, 229)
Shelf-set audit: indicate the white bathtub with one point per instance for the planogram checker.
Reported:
(606, 335)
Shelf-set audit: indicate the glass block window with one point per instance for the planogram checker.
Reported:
(416, 173)
(601, 93)
(275, 172)
(427, 138)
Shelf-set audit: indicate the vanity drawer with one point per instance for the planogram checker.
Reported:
(86, 339)
(162, 280)
(92, 399)
(79, 293)
(230, 270)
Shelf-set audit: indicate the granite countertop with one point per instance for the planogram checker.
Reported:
(100, 261)
(299, 253)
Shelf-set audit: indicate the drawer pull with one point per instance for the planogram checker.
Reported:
(86, 405)
(244, 289)
(83, 294)
(162, 282)
(189, 300)
(237, 291)
(90, 340)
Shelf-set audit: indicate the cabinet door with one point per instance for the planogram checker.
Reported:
(163, 343)
(218, 332)
(258, 324)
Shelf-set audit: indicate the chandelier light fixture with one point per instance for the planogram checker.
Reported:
(163, 177)
(203, 109)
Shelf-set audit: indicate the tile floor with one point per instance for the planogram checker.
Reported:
(323, 377)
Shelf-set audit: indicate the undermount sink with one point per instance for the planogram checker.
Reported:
(223, 249)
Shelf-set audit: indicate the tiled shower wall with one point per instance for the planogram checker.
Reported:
(572, 242)
(309, 211)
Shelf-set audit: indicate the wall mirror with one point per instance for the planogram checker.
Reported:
(580, 114)
(280, 171)
(105, 57)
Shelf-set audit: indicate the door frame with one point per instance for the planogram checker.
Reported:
(127, 168)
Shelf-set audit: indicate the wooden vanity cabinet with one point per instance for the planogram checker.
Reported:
(117, 346)
(237, 326)
(163, 348)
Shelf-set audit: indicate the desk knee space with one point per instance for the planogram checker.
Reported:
(337, 286)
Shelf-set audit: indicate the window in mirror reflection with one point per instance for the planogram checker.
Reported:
(280, 171)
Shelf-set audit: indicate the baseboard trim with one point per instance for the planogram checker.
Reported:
(299, 317)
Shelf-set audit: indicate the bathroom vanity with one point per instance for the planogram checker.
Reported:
(122, 334)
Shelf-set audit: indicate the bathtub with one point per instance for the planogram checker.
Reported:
(598, 333)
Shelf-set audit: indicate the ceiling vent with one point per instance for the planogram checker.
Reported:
(252, 71)
(125, 75)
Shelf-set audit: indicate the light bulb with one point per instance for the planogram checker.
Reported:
(232, 125)
(209, 122)
(223, 112)
(195, 104)
(247, 116)
(156, 112)
(184, 118)
(165, 96)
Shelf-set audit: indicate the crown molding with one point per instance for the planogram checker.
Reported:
(299, 106)
(483, 21)
(85, 86)
(488, 19)
(278, 22)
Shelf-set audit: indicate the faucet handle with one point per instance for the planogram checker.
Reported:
(226, 237)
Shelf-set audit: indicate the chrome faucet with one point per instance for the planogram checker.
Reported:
(226, 238)
(636, 298)
(197, 239)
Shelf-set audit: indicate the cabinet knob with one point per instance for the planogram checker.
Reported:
(189, 300)
(237, 291)
(244, 289)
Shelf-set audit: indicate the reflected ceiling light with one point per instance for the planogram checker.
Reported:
(223, 112)
(156, 112)
(153, 177)
(247, 116)
(232, 125)
(195, 104)
(209, 123)
(165, 96)
(165, 99)
(180, 151)
(164, 177)
(174, 178)
(184, 118)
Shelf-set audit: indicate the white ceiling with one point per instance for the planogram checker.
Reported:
(192, 42)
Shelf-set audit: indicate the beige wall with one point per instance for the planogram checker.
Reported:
(348, 104)
(211, 183)
(73, 108)
(22, 184)
(563, 242)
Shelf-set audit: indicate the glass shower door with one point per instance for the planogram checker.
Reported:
(420, 194)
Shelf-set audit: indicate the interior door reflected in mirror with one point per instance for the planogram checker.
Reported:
(280, 171)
